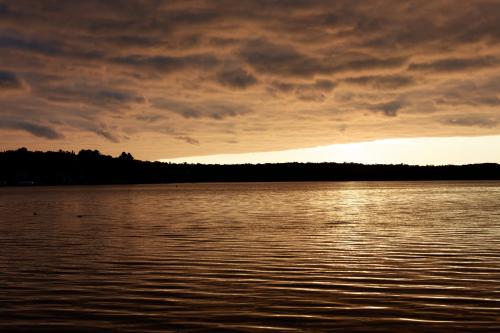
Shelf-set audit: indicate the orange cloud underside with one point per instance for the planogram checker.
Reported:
(194, 78)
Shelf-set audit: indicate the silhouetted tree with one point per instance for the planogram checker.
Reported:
(87, 153)
(91, 167)
(126, 156)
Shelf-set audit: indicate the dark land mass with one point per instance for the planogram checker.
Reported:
(23, 167)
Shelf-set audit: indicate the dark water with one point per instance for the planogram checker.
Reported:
(401, 257)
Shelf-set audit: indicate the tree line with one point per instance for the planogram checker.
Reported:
(24, 167)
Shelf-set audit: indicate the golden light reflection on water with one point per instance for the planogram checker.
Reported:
(252, 257)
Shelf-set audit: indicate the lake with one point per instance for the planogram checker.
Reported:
(251, 257)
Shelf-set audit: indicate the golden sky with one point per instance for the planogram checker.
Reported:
(169, 79)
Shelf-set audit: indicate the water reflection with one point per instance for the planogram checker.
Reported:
(251, 257)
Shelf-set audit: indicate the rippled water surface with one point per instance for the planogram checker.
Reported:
(378, 256)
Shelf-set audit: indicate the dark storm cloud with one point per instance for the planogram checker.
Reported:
(41, 131)
(291, 67)
(209, 109)
(237, 78)
(456, 64)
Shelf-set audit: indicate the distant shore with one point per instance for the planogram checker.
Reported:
(89, 167)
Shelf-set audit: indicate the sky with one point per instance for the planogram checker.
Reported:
(254, 81)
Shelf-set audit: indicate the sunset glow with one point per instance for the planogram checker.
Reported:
(421, 151)
(249, 166)
(172, 79)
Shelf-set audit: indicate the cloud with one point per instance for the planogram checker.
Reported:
(130, 40)
(270, 58)
(150, 117)
(96, 127)
(107, 135)
(267, 57)
(320, 85)
(456, 64)
(382, 82)
(314, 91)
(9, 82)
(473, 93)
(370, 63)
(474, 121)
(166, 64)
(223, 41)
(389, 109)
(188, 139)
(41, 131)
(236, 78)
(90, 95)
(267, 75)
(19, 42)
(206, 109)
